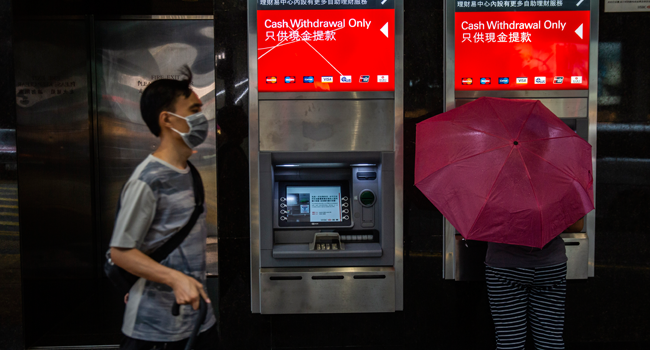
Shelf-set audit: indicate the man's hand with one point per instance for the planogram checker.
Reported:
(188, 290)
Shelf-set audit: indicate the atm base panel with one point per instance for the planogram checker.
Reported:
(327, 290)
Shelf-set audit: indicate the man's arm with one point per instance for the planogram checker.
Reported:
(186, 288)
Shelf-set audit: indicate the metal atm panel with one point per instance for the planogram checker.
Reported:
(322, 126)
(578, 108)
(340, 140)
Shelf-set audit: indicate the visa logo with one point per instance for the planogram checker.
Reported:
(364, 79)
(522, 80)
(558, 80)
(576, 80)
(382, 78)
(346, 78)
(308, 80)
(467, 81)
(271, 80)
(504, 81)
(327, 79)
(289, 80)
(486, 81)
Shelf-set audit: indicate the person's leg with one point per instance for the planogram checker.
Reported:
(208, 340)
(547, 297)
(508, 293)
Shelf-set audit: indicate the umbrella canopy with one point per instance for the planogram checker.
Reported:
(505, 171)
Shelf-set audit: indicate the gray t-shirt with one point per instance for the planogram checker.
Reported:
(507, 255)
(156, 202)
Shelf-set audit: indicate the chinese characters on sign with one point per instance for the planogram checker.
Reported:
(509, 4)
(311, 2)
(521, 48)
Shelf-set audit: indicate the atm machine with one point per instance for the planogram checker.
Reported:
(539, 50)
(325, 156)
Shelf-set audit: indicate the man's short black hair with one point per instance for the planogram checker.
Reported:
(161, 95)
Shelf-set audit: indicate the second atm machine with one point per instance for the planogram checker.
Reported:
(325, 156)
(537, 50)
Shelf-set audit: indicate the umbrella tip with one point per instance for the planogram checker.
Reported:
(515, 143)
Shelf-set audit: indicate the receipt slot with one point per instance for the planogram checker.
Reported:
(325, 156)
(539, 50)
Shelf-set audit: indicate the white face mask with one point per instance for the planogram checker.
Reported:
(198, 131)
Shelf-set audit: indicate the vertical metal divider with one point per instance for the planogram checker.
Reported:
(448, 230)
(399, 155)
(593, 127)
(93, 120)
(253, 146)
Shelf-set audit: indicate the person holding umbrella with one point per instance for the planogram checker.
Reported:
(511, 173)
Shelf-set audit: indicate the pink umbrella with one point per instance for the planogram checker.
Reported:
(505, 171)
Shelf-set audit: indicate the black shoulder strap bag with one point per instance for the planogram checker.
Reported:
(123, 280)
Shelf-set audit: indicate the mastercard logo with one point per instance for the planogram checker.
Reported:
(467, 81)
(271, 80)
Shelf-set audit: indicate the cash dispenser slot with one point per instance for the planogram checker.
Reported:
(316, 245)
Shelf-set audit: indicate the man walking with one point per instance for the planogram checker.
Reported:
(156, 202)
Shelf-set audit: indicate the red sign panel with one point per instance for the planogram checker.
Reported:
(536, 50)
(326, 50)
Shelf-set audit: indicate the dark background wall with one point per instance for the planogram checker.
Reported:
(10, 284)
(607, 311)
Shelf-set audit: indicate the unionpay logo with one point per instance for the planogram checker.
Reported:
(467, 81)
(346, 79)
(521, 81)
(540, 80)
(364, 79)
(558, 80)
(486, 81)
(382, 78)
(271, 80)
(576, 80)
(308, 79)
(326, 79)
(290, 80)
(504, 81)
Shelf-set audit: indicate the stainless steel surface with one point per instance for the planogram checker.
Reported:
(449, 247)
(329, 126)
(399, 155)
(577, 251)
(330, 290)
(448, 230)
(337, 95)
(593, 124)
(54, 156)
(566, 104)
(562, 107)
(129, 55)
(254, 166)
(523, 94)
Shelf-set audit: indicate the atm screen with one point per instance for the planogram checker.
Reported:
(314, 204)
(325, 46)
(522, 45)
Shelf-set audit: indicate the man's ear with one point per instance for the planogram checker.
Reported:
(163, 120)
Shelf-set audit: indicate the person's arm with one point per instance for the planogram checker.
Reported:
(576, 227)
(187, 289)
